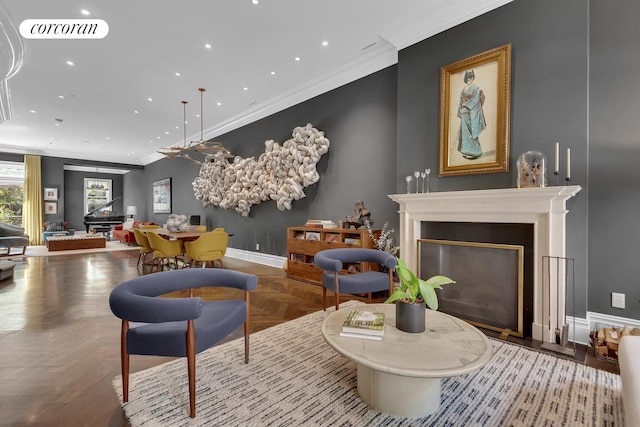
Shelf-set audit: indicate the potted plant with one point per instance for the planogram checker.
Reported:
(411, 296)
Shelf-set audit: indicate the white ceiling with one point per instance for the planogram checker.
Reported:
(150, 40)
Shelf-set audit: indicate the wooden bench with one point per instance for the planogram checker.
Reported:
(65, 243)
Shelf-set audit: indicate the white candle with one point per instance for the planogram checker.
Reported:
(568, 162)
(557, 168)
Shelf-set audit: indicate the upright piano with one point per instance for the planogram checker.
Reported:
(97, 218)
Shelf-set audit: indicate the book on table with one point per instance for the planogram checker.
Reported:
(363, 336)
(363, 324)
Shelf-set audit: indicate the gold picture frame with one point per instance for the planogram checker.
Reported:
(475, 98)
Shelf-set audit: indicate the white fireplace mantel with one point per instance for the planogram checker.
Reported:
(545, 208)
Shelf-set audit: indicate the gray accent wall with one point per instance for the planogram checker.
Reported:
(549, 90)
(359, 121)
(614, 153)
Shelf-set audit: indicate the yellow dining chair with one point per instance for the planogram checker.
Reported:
(165, 249)
(144, 246)
(210, 247)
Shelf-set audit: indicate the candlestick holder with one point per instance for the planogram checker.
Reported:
(568, 179)
(408, 179)
(557, 174)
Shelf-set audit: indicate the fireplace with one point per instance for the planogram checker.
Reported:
(541, 211)
(489, 288)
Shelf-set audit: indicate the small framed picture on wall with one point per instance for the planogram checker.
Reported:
(51, 208)
(51, 194)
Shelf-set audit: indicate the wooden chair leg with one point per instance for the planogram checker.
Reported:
(124, 361)
(337, 290)
(246, 330)
(221, 264)
(369, 299)
(324, 298)
(191, 367)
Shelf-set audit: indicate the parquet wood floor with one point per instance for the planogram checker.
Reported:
(59, 342)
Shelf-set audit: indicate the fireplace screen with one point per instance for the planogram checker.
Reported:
(489, 281)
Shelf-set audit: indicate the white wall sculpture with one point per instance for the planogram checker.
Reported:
(279, 174)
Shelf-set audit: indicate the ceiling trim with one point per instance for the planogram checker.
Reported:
(96, 169)
(380, 56)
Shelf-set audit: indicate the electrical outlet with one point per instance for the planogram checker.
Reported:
(257, 246)
(617, 300)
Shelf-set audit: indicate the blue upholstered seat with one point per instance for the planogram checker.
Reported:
(332, 262)
(179, 327)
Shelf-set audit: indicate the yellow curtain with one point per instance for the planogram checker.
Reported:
(32, 204)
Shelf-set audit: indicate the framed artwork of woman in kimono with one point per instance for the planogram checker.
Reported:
(474, 114)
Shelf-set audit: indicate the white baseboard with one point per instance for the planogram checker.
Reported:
(257, 257)
(584, 326)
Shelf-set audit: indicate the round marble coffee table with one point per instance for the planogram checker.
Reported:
(400, 375)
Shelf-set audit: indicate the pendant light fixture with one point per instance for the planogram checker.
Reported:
(201, 146)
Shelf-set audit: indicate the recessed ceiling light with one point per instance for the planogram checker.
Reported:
(273, 73)
(33, 111)
(245, 88)
(149, 99)
(219, 104)
(297, 58)
(85, 12)
(135, 111)
(107, 138)
(158, 137)
(61, 96)
(166, 133)
(177, 127)
(70, 63)
(177, 74)
(325, 43)
(255, 1)
(208, 46)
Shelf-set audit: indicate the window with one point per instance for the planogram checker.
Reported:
(11, 192)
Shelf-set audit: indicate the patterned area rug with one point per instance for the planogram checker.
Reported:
(295, 379)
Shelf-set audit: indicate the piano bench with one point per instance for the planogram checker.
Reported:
(105, 230)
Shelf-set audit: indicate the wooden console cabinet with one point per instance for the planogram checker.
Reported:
(304, 242)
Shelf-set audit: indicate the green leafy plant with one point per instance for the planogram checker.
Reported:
(413, 289)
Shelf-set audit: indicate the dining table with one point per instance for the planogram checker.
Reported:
(187, 235)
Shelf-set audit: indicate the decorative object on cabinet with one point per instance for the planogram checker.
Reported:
(532, 169)
(385, 240)
(362, 218)
(475, 98)
(300, 250)
(280, 173)
(161, 193)
(50, 194)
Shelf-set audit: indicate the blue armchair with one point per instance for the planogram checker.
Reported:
(179, 327)
(331, 261)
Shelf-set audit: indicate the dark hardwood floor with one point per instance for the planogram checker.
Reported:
(60, 343)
